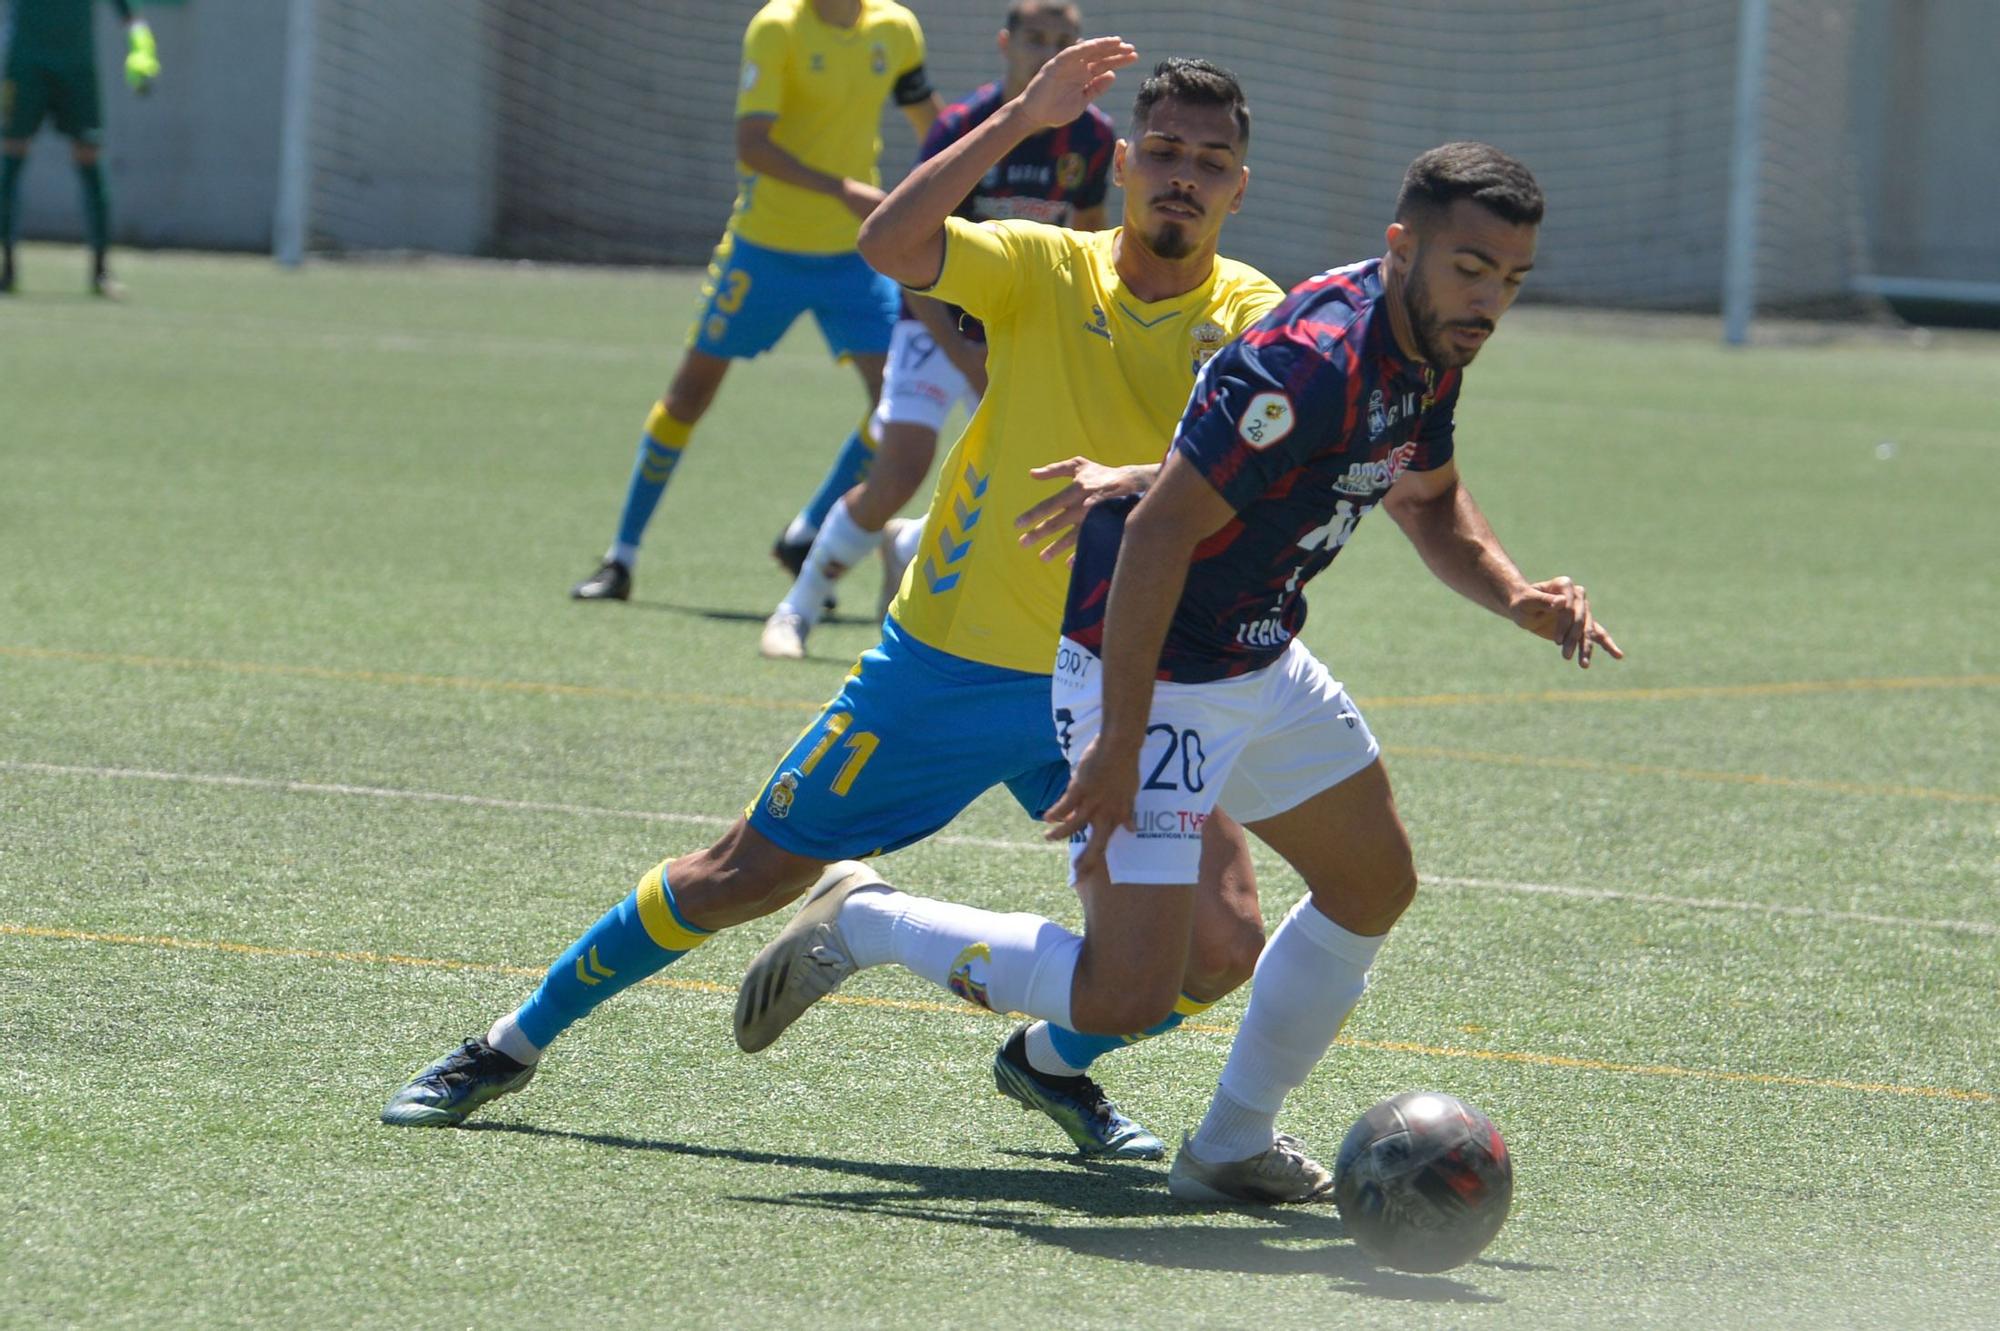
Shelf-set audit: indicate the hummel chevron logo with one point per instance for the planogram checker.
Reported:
(597, 973)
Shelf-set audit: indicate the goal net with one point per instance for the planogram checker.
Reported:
(600, 130)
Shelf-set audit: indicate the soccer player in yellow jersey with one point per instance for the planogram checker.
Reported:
(815, 74)
(1093, 344)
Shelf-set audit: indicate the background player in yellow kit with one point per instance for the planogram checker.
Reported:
(815, 74)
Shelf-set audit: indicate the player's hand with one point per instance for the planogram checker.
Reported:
(1559, 610)
(860, 198)
(1102, 790)
(142, 58)
(1075, 78)
(1062, 513)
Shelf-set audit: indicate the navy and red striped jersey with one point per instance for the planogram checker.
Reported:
(1302, 424)
(1048, 177)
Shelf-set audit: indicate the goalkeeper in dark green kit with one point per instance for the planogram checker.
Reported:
(50, 72)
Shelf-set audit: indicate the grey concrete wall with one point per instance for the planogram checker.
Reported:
(194, 163)
(1928, 122)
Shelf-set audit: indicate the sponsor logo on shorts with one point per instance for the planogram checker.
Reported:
(1167, 824)
(968, 975)
(783, 791)
(1073, 664)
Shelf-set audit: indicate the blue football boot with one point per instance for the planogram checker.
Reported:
(443, 1094)
(1078, 1105)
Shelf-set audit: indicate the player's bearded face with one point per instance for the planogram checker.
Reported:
(1431, 330)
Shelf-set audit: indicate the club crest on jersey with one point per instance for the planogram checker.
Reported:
(878, 58)
(1267, 419)
(1208, 337)
(1069, 170)
(783, 791)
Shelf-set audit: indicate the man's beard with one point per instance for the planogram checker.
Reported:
(1428, 331)
(1170, 240)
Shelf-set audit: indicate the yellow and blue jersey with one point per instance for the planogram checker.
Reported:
(1076, 366)
(825, 85)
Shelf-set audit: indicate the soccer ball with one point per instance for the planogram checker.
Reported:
(1423, 1182)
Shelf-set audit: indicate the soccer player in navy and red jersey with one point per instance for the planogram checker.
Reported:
(937, 355)
(1181, 687)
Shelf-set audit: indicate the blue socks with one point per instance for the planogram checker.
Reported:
(640, 936)
(660, 450)
(1080, 1050)
(849, 469)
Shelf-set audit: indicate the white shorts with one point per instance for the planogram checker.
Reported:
(1255, 745)
(920, 385)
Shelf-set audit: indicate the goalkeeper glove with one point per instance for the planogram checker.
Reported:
(142, 59)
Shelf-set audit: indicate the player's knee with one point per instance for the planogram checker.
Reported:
(1222, 961)
(694, 387)
(1376, 909)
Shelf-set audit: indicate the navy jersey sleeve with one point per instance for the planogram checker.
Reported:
(1264, 405)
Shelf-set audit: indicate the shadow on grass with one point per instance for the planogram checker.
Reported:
(1291, 1240)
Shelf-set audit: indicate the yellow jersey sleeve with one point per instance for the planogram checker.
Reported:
(983, 265)
(913, 37)
(767, 46)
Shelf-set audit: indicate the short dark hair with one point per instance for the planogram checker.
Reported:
(1018, 10)
(1192, 83)
(1476, 171)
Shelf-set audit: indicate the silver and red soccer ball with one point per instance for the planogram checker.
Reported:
(1423, 1182)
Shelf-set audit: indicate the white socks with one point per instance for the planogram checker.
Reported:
(1009, 963)
(1310, 977)
(507, 1038)
(841, 544)
(624, 552)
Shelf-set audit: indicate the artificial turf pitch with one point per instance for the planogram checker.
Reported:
(308, 766)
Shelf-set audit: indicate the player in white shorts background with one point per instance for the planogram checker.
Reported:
(937, 354)
(1180, 684)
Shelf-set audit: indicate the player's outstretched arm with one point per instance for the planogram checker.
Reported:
(904, 238)
(1437, 513)
(1057, 518)
(1179, 512)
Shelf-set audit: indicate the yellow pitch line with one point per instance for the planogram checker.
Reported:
(1691, 774)
(1783, 688)
(169, 942)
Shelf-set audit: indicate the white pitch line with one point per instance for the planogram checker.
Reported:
(1980, 927)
